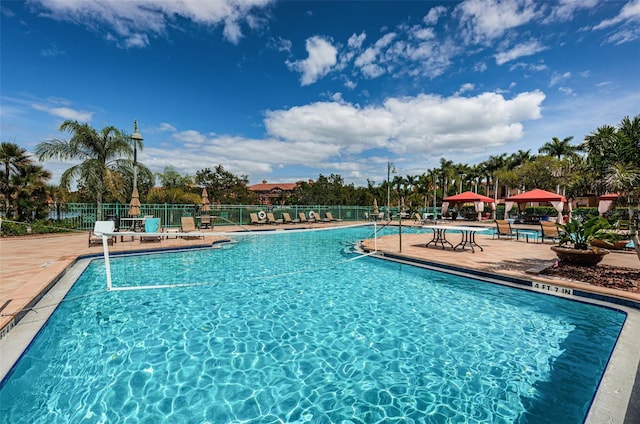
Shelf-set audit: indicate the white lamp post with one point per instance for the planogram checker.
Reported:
(389, 171)
(136, 138)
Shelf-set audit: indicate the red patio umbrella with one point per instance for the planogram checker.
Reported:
(536, 195)
(468, 196)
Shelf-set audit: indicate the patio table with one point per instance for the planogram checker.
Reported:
(468, 236)
(131, 224)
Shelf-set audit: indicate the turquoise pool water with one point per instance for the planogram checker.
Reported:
(289, 327)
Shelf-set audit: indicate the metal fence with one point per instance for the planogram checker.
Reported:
(84, 215)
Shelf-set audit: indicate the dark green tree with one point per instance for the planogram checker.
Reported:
(100, 154)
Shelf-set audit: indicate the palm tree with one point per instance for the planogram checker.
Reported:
(32, 192)
(629, 132)
(558, 148)
(446, 172)
(99, 153)
(625, 179)
(491, 167)
(13, 159)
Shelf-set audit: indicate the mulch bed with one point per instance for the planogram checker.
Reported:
(627, 279)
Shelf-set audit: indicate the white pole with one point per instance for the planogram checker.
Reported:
(375, 236)
(107, 264)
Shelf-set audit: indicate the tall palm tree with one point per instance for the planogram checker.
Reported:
(99, 154)
(629, 132)
(491, 167)
(598, 145)
(446, 172)
(13, 159)
(558, 148)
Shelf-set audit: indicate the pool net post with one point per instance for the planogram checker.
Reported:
(107, 264)
(375, 236)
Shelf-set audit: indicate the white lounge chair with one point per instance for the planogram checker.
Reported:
(99, 228)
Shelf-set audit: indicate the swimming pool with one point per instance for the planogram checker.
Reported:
(290, 327)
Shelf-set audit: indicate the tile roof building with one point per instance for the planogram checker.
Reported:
(271, 194)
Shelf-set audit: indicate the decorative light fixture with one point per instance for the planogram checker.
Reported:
(136, 138)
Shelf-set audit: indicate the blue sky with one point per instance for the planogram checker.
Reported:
(285, 91)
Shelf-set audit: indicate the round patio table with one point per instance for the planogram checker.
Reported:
(468, 236)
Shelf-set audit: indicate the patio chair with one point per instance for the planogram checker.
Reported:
(255, 220)
(331, 218)
(151, 225)
(100, 227)
(315, 217)
(302, 217)
(271, 219)
(286, 218)
(503, 229)
(205, 221)
(549, 230)
(188, 225)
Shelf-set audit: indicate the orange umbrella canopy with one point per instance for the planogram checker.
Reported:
(536, 195)
(468, 196)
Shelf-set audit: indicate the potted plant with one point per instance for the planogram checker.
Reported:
(575, 241)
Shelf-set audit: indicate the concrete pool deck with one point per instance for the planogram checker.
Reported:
(30, 266)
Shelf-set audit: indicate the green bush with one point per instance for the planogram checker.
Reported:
(540, 211)
(44, 226)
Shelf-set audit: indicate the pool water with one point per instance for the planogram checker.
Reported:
(295, 327)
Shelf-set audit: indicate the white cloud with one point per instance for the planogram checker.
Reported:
(131, 23)
(465, 87)
(164, 126)
(190, 137)
(630, 12)
(566, 90)
(280, 44)
(485, 20)
(52, 51)
(434, 14)
(556, 78)
(367, 61)
(322, 57)
(564, 10)
(623, 36)
(412, 125)
(624, 26)
(525, 49)
(355, 41)
(65, 112)
(331, 135)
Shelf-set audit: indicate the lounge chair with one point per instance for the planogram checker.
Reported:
(315, 217)
(549, 230)
(271, 219)
(255, 220)
(100, 227)
(205, 221)
(188, 225)
(503, 229)
(151, 225)
(302, 217)
(286, 218)
(330, 217)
